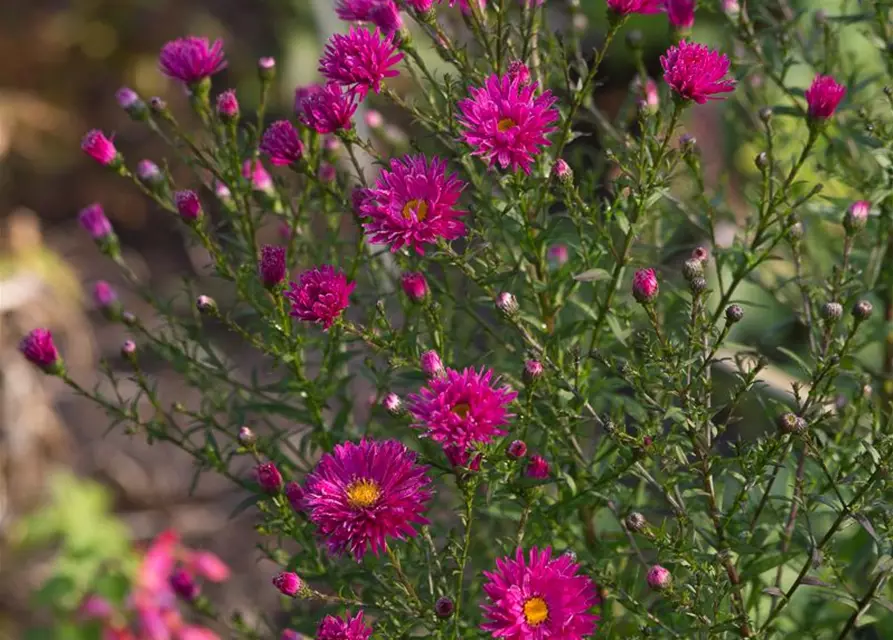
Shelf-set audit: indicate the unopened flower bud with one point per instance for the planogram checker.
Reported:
(393, 404)
(688, 143)
(519, 70)
(790, 423)
(128, 350)
(158, 107)
(288, 583)
(533, 370)
(557, 255)
(832, 310)
(106, 300)
(327, 172)
(96, 145)
(271, 266)
(765, 114)
(762, 160)
(562, 172)
(205, 304)
(431, 364)
(228, 106)
(635, 522)
(731, 8)
(128, 318)
(129, 100)
(658, 578)
(856, 216)
(40, 350)
(246, 437)
(692, 269)
(645, 286)
(415, 286)
(517, 449)
(444, 607)
(266, 68)
(188, 205)
(184, 585)
(734, 313)
(149, 174)
(698, 285)
(295, 495)
(268, 477)
(537, 467)
(374, 119)
(507, 303)
(795, 231)
(862, 310)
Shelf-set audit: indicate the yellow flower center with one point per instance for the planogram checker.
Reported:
(420, 207)
(536, 611)
(461, 410)
(363, 493)
(505, 124)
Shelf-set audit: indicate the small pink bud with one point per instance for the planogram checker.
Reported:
(645, 285)
(295, 495)
(519, 71)
(105, 297)
(432, 365)
(183, 585)
(268, 477)
(327, 172)
(209, 566)
(188, 205)
(291, 634)
(562, 172)
(257, 175)
(533, 370)
(94, 222)
(126, 97)
(658, 578)
(266, 68)
(856, 216)
(39, 349)
(444, 607)
(94, 607)
(537, 468)
(149, 173)
(374, 119)
(517, 449)
(507, 303)
(701, 254)
(288, 583)
(558, 255)
(246, 437)
(731, 7)
(272, 265)
(415, 286)
(128, 349)
(100, 148)
(393, 404)
(331, 144)
(205, 304)
(228, 106)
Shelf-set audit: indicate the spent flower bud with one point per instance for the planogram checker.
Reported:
(832, 310)
(791, 423)
(393, 404)
(765, 114)
(635, 522)
(205, 304)
(444, 607)
(562, 172)
(692, 268)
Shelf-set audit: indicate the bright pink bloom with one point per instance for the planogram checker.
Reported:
(506, 122)
(415, 286)
(94, 221)
(695, 72)
(191, 59)
(519, 70)
(302, 94)
(658, 578)
(98, 147)
(228, 105)
(188, 204)
(462, 407)
(346, 628)
(104, 295)
(537, 467)
(268, 477)
(362, 494)
(184, 585)
(413, 204)
(321, 296)
(288, 583)
(431, 364)
(645, 286)
(94, 607)
(681, 13)
(823, 96)
(40, 350)
(539, 598)
(626, 7)
(282, 143)
(257, 175)
(360, 60)
(271, 265)
(328, 110)
(382, 13)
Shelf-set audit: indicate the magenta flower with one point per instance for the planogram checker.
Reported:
(415, 286)
(282, 143)
(823, 96)
(360, 60)
(681, 13)
(558, 254)
(517, 449)
(303, 93)
(431, 364)
(346, 628)
(40, 350)
(519, 70)
(295, 495)
(96, 145)
(856, 216)
(382, 13)
(506, 122)
(695, 72)
(254, 172)
(95, 607)
(268, 477)
(413, 204)
(188, 205)
(422, 6)
(288, 583)
(327, 110)
(271, 266)
(228, 105)
(362, 494)
(184, 585)
(94, 221)
(538, 468)
(462, 407)
(104, 295)
(626, 7)
(537, 598)
(658, 578)
(645, 286)
(191, 59)
(321, 296)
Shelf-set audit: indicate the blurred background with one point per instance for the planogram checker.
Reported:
(62, 476)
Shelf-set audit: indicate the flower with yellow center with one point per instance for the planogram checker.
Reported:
(419, 207)
(363, 493)
(461, 410)
(505, 124)
(536, 611)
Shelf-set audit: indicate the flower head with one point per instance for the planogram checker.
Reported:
(695, 72)
(536, 597)
(295, 495)
(681, 13)
(288, 583)
(360, 60)
(328, 109)
(823, 96)
(191, 59)
(254, 172)
(382, 13)
(517, 449)
(188, 204)
(506, 122)
(519, 70)
(626, 7)
(94, 222)
(228, 105)
(658, 578)
(537, 467)
(320, 296)
(149, 173)
(346, 628)
(645, 286)
(462, 407)
(533, 370)
(393, 404)
(856, 216)
(431, 364)
(96, 145)
(271, 265)
(268, 477)
(415, 286)
(413, 204)
(282, 143)
(40, 350)
(184, 585)
(362, 494)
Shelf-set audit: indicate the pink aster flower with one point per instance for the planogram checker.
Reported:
(695, 72)
(823, 96)
(96, 145)
(506, 122)
(360, 60)
(415, 286)
(288, 583)
(191, 59)
(40, 350)
(254, 172)
(363, 493)
(681, 13)
(413, 204)
(282, 143)
(537, 467)
(536, 597)
(94, 221)
(645, 285)
(346, 628)
(462, 407)
(626, 7)
(328, 109)
(320, 296)
(228, 105)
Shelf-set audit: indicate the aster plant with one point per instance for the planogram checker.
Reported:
(511, 384)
